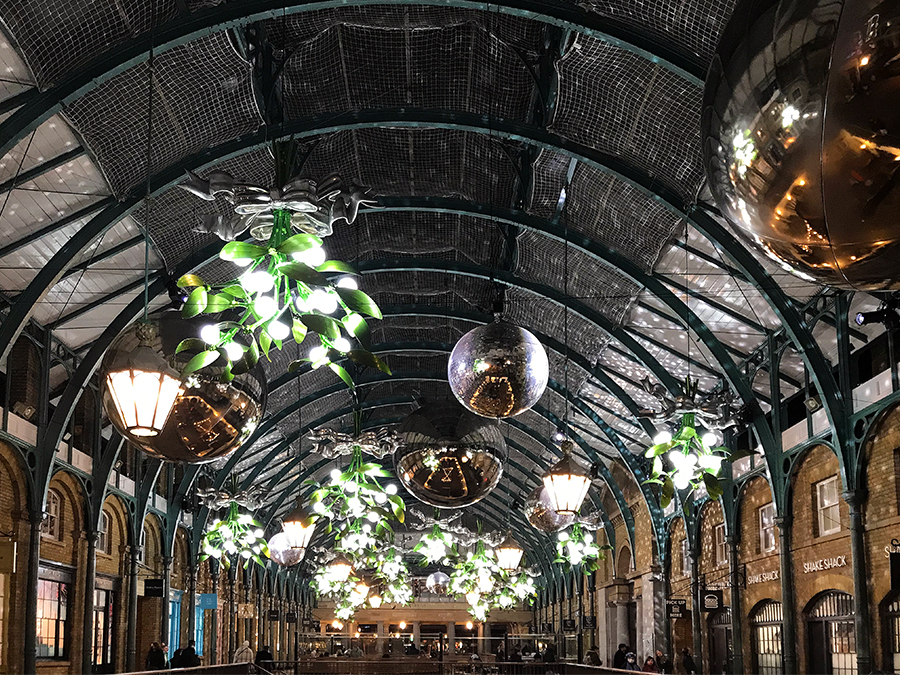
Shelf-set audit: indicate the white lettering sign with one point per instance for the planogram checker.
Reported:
(890, 549)
(763, 577)
(824, 564)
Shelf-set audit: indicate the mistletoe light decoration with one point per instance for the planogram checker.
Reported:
(577, 546)
(690, 459)
(285, 291)
(237, 535)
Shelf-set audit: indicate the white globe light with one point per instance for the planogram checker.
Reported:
(258, 281)
(710, 439)
(301, 305)
(234, 351)
(335, 474)
(391, 489)
(712, 462)
(663, 436)
(265, 306)
(323, 301)
(317, 353)
(347, 282)
(210, 334)
(342, 344)
(682, 479)
(277, 330)
(313, 257)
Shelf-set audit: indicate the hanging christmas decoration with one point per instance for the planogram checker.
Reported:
(332, 444)
(449, 458)
(541, 514)
(285, 291)
(576, 546)
(237, 535)
(498, 370)
(567, 482)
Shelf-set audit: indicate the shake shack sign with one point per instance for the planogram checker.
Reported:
(762, 578)
(824, 564)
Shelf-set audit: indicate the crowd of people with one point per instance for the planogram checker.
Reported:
(625, 659)
(186, 657)
(519, 653)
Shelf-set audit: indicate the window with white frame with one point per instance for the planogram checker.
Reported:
(103, 538)
(52, 525)
(685, 557)
(828, 506)
(767, 528)
(721, 550)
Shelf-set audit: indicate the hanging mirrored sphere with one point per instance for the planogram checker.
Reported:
(800, 120)
(540, 513)
(437, 583)
(498, 370)
(281, 551)
(449, 458)
(209, 419)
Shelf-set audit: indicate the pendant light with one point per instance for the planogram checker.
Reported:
(340, 568)
(567, 482)
(509, 553)
(142, 386)
(299, 525)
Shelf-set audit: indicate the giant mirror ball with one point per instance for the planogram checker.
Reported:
(210, 419)
(449, 458)
(437, 583)
(801, 136)
(281, 552)
(498, 370)
(540, 512)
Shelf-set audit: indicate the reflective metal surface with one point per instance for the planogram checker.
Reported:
(281, 552)
(210, 419)
(801, 129)
(498, 370)
(541, 514)
(437, 582)
(449, 457)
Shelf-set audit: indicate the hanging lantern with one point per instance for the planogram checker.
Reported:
(509, 553)
(540, 512)
(142, 387)
(375, 600)
(567, 482)
(449, 458)
(498, 370)
(340, 568)
(299, 525)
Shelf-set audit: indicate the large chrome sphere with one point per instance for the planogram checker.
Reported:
(449, 458)
(437, 582)
(540, 512)
(498, 370)
(281, 551)
(210, 419)
(801, 129)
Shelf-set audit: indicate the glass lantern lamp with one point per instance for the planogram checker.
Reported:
(509, 553)
(567, 482)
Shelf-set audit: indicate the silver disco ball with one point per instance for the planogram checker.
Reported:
(541, 515)
(498, 370)
(281, 551)
(449, 458)
(437, 583)
(800, 125)
(209, 419)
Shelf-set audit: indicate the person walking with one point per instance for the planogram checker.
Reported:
(688, 662)
(631, 662)
(664, 663)
(244, 654)
(619, 658)
(264, 658)
(156, 658)
(650, 665)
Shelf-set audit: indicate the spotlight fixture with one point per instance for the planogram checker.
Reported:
(559, 435)
(888, 314)
(813, 403)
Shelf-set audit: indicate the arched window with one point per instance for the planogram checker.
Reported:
(103, 534)
(52, 525)
(765, 626)
(832, 638)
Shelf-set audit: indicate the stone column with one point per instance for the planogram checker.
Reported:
(131, 658)
(31, 591)
(87, 626)
(789, 625)
(479, 643)
(855, 500)
(379, 637)
(653, 615)
(417, 634)
(737, 663)
(451, 637)
(622, 632)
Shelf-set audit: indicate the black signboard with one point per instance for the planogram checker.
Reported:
(569, 625)
(291, 617)
(676, 608)
(153, 588)
(895, 571)
(273, 615)
(589, 622)
(546, 628)
(711, 600)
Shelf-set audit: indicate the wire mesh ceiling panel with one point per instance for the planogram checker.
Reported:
(460, 67)
(418, 329)
(621, 103)
(202, 97)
